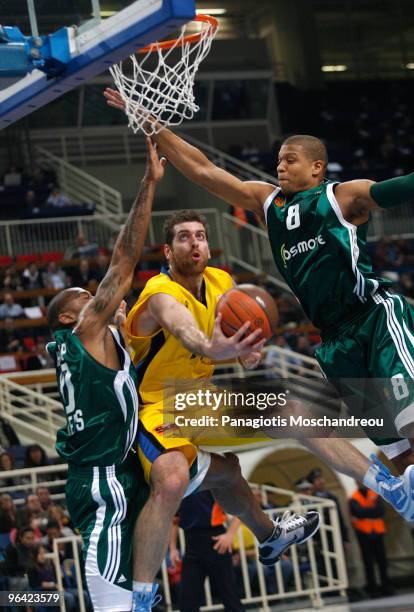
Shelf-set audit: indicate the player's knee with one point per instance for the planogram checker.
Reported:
(170, 477)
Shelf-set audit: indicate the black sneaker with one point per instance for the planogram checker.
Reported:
(289, 529)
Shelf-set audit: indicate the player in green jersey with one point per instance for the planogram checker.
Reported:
(97, 384)
(330, 238)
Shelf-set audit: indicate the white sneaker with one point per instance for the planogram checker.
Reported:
(289, 529)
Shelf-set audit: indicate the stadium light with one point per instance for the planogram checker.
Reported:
(334, 68)
(211, 11)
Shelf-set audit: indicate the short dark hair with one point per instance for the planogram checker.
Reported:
(24, 530)
(313, 146)
(182, 216)
(51, 524)
(56, 307)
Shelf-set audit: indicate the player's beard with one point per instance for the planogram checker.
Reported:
(188, 267)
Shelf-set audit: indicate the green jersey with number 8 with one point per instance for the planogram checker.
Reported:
(322, 257)
(101, 404)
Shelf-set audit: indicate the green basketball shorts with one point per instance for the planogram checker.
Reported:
(104, 503)
(370, 360)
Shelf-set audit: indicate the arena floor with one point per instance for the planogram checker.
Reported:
(397, 603)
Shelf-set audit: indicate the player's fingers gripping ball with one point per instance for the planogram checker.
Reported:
(248, 303)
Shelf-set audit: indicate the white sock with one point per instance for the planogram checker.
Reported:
(142, 587)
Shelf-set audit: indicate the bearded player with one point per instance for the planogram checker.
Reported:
(317, 231)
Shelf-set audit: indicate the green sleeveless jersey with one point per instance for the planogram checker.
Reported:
(322, 257)
(101, 404)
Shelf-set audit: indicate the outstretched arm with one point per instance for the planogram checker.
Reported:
(358, 198)
(195, 166)
(165, 311)
(127, 251)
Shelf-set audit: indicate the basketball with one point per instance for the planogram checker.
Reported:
(248, 303)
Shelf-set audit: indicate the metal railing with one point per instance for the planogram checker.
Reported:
(80, 186)
(59, 234)
(32, 414)
(319, 568)
(118, 145)
(51, 476)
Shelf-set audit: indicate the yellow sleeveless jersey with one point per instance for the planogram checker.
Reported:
(160, 359)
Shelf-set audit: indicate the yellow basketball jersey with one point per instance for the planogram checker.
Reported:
(160, 359)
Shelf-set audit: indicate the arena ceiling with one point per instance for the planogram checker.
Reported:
(347, 30)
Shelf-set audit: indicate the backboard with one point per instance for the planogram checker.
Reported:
(91, 51)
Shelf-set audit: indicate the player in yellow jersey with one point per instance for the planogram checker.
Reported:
(174, 334)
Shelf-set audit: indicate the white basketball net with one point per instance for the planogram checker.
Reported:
(163, 96)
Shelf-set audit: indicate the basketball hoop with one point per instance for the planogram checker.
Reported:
(162, 96)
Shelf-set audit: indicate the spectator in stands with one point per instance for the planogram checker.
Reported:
(31, 277)
(31, 202)
(8, 513)
(40, 358)
(45, 498)
(380, 256)
(35, 457)
(407, 285)
(33, 514)
(102, 266)
(19, 559)
(42, 577)
(41, 179)
(54, 277)
(13, 176)
(289, 309)
(85, 276)
(57, 514)
(82, 248)
(274, 358)
(57, 199)
(10, 337)
(7, 465)
(12, 280)
(317, 480)
(304, 487)
(303, 346)
(8, 436)
(53, 532)
(9, 308)
(367, 511)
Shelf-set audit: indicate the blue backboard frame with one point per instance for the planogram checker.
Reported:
(95, 51)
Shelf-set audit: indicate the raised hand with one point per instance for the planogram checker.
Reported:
(155, 166)
(114, 98)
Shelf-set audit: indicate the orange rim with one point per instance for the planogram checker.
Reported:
(191, 38)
